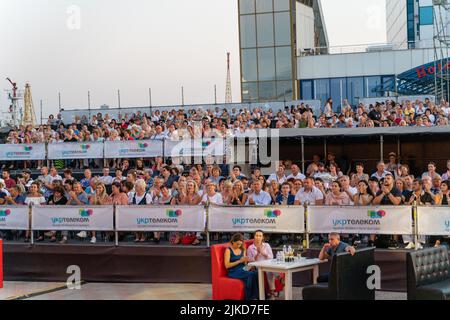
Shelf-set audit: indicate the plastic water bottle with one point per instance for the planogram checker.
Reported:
(285, 253)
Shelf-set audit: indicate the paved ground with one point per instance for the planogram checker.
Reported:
(127, 291)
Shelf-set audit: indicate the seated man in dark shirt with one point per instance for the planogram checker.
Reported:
(388, 195)
(423, 198)
(334, 246)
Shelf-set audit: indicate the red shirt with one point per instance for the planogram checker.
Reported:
(10, 183)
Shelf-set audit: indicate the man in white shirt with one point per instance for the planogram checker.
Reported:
(296, 174)
(258, 197)
(381, 172)
(279, 176)
(309, 193)
(323, 174)
(106, 179)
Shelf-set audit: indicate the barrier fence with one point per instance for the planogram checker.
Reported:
(387, 220)
(114, 149)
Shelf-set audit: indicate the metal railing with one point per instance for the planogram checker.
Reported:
(364, 48)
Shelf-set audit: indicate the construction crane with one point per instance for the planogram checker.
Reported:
(14, 95)
(17, 114)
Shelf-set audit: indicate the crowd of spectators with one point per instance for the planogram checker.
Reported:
(179, 124)
(165, 183)
(159, 181)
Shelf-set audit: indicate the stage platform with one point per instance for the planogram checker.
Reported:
(152, 264)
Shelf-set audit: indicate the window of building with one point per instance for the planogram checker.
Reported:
(246, 6)
(338, 90)
(426, 15)
(371, 84)
(281, 5)
(250, 91)
(248, 31)
(249, 65)
(264, 23)
(306, 90)
(282, 29)
(355, 89)
(267, 91)
(284, 90)
(283, 63)
(266, 64)
(322, 89)
(264, 6)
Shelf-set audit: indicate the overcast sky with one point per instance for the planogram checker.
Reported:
(72, 46)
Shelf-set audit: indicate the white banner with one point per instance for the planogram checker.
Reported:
(160, 218)
(433, 221)
(365, 220)
(194, 147)
(75, 150)
(133, 149)
(22, 151)
(14, 218)
(95, 218)
(249, 219)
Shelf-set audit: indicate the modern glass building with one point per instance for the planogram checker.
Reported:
(271, 32)
(350, 88)
(285, 54)
(412, 23)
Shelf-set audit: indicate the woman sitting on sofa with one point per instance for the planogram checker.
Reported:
(260, 251)
(235, 263)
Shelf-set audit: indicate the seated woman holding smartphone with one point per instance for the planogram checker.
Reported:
(260, 251)
(236, 265)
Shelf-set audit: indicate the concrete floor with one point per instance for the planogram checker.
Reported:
(128, 291)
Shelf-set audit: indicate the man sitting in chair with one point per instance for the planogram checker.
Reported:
(334, 245)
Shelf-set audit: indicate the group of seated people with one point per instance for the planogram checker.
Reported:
(237, 257)
(181, 124)
(162, 182)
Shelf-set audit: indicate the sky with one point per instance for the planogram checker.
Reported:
(75, 46)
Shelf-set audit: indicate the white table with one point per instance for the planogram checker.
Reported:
(288, 269)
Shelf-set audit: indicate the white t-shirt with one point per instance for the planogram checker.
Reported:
(311, 197)
(148, 198)
(274, 177)
(215, 199)
(299, 176)
(35, 200)
(106, 180)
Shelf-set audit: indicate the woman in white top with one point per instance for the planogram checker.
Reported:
(211, 196)
(328, 110)
(34, 197)
(140, 197)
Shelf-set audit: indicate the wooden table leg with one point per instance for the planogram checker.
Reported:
(288, 286)
(315, 273)
(262, 292)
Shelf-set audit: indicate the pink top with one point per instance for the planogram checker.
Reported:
(266, 250)
(340, 200)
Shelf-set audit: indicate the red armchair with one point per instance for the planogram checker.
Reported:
(224, 288)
